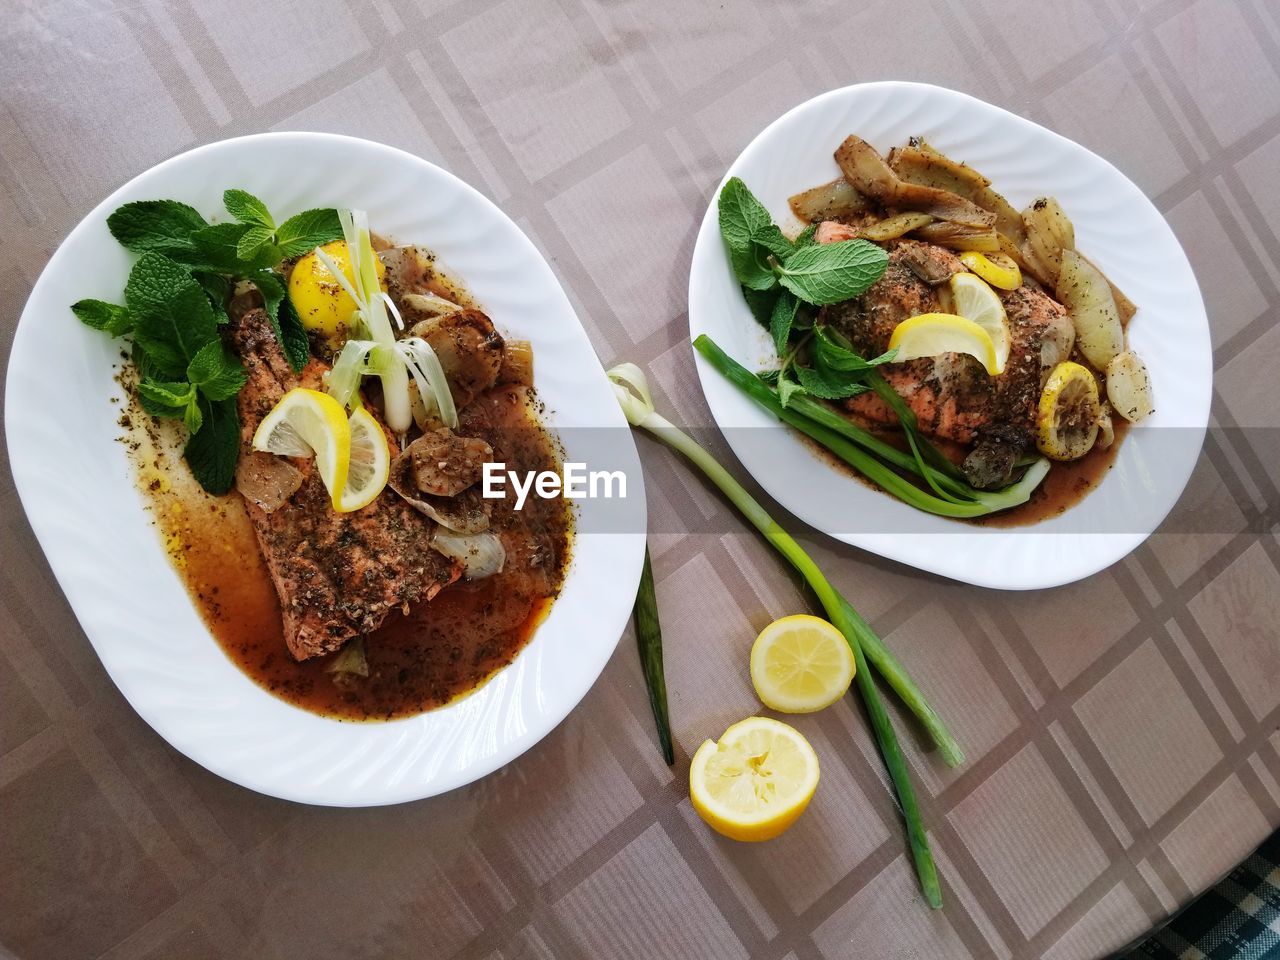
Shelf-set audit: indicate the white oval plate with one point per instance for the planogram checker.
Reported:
(78, 490)
(1116, 226)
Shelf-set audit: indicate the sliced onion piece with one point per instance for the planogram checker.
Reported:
(1129, 386)
(424, 366)
(481, 554)
(342, 382)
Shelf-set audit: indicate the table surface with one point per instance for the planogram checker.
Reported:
(1122, 732)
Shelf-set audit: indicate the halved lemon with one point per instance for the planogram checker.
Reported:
(931, 334)
(974, 300)
(997, 269)
(801, 664)
(754, 782)
(1068, 415)
(307, 422)
(370, 463)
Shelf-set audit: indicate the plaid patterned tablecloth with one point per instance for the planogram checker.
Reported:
(1123, 733)
(1237, 919)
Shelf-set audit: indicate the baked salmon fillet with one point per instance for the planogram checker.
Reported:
(337, 575)
(951, 395)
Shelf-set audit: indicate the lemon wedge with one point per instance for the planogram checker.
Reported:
(801, 664)
(931, 334)
(370, 463)
(305, 423)
(756, 781)
(1067, 418)
(974, 300)
(997, 269)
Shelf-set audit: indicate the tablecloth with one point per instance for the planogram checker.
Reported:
(1122, 732)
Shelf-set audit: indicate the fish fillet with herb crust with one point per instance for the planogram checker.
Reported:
(338, 575)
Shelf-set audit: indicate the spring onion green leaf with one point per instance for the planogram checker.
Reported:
(631, 390)
(649, 643)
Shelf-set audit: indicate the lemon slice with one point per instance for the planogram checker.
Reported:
(307, 422)
(974, 300)
(1068, 413)
(756, 781)
(997, 269)
(931, 334)
(370, 463)
(800, 664)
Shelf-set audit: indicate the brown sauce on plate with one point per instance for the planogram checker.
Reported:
(441, 650)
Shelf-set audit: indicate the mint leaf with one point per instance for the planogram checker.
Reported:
(193, 418)
(285, 322)
(247, 208)
(780, 320)
(165, 398)
(104, 316)
(212, 453)
(835, 356)
(806, 238)
(751, 267)
(271, 286)
(787, 389)
(827, 388)
(217, 248)
(293, 336)
(216, 287)
(308, 230)
(773, 240)
(760, 303)
(831, 272)
(253, 242)
(159, 226)
(749, 234)
(171, 315)
(216, 371)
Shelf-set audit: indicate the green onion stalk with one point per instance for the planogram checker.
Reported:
(868, 454)
(632, 391)
(649, 643)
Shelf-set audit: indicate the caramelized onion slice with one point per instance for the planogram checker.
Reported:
(481, 554)
(957, 236)
(867, 171)
(831, 201)
(266, 480)
(895, 226)
(920, 163)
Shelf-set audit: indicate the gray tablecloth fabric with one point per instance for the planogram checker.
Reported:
(1122, 732)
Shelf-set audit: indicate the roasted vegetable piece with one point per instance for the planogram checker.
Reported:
(868, 172)
(1049, 232)
(517, 363)
(831, 201)
(1084, 291)
(920, 163)
(895, 226)
(1129, 386)
(957, 236)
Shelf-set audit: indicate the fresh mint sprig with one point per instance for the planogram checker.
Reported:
(783, 280)
(175, 302)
